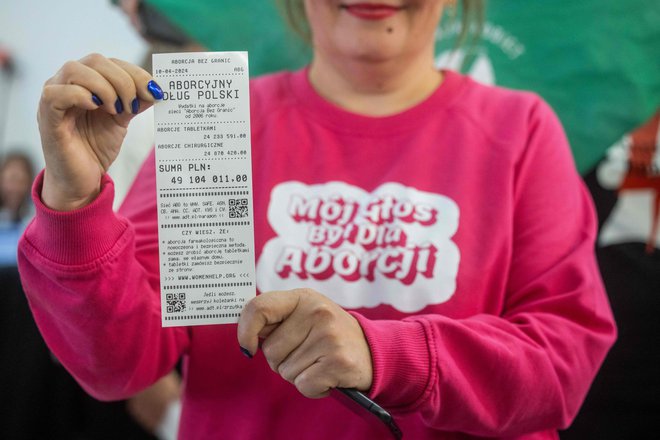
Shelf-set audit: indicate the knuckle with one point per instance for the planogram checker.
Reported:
(68, 69)
(47, 93)
(126, 84)
(267, 349)
(304, 291)
(252, 308)
(345, 363)
(270, 352)
(286, 372)
(50, 81)
(309, 387)
(93, 59)
(304, 385)
(322, 313)
(332, 340)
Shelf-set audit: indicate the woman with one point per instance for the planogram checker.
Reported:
(16, 174)
(465, 252)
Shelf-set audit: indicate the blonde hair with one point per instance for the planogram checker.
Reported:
(472, 17)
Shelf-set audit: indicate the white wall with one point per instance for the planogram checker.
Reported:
(43, 34)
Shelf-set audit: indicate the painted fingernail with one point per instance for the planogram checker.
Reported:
(246, 353)
(97, 100)
(155, 89)
(119, 106)
(135, 106)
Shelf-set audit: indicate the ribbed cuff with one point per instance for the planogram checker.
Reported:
(401, 361)
(75, 237)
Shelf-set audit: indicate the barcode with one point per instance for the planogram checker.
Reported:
(176, 302)
(238, 208)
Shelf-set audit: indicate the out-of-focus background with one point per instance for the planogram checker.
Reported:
(38, 398)
(597, 62)
(38, 36)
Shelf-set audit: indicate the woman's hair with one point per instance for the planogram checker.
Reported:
(22, 158)
(472, 17)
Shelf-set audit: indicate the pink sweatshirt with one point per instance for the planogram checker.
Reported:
(457, 232)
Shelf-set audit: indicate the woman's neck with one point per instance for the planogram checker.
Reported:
(374, 88)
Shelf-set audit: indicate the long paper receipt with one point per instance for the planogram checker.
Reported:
(204, 185)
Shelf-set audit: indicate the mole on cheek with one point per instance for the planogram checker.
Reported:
(390, 30)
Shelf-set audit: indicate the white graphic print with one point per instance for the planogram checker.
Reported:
(392, 246)
(480, 70)
(479, 66)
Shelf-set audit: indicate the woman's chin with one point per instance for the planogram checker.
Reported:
(373, 53)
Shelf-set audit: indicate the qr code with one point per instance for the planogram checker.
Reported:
(238, 208)
(176, 302)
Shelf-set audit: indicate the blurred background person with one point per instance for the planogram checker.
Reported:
(39, 397)
(16, 175)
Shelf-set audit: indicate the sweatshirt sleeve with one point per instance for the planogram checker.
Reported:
(529, 368)
(92, 284)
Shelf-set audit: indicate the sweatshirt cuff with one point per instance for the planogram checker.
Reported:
(401, 361)
(79, 236)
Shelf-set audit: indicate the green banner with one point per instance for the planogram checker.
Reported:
(596, 62)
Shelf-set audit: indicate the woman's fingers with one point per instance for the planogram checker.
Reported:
(122, 83)
(120, 88)
(61, 97)
(314, 382)
(282, 342)
(101, 91)
(316, 345)
(323, 344)
(147, 89)
(300, 359)
(266, 309)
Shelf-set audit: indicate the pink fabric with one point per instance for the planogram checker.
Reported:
(508, 352)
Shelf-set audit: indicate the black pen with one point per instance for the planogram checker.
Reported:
(375, 409)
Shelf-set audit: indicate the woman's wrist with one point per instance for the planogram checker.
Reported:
(55, 197)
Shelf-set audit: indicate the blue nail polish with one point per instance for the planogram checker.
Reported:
(97, 100)
(119, 106)
(246, 353)
(135, 106)
(155, 89)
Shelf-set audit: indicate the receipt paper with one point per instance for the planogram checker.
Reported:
(204, 187)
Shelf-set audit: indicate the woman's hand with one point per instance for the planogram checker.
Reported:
(83, 115)
(309, 340)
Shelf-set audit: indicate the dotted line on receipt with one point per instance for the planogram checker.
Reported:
(239, 193)
(203, 158)
(177, 75)
(206, 286)
(204, 225)
(221, 315)
(209, 187)
(200, 122)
